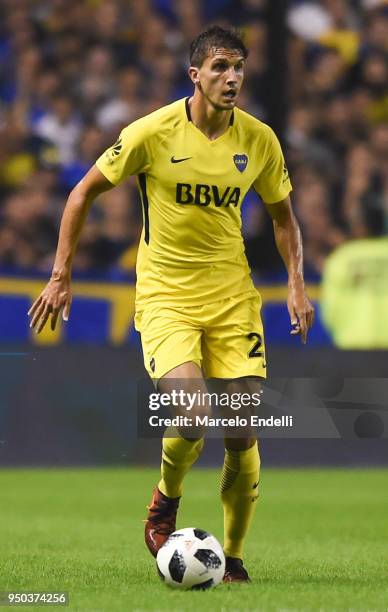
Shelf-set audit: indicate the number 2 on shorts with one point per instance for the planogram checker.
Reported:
(255, 350)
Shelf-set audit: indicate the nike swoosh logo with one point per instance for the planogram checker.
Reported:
(177, 161)
(256, 484)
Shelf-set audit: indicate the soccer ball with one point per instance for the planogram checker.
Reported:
(191, 559)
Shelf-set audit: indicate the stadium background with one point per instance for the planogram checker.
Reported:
(72, 73)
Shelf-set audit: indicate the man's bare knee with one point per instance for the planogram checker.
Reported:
(186, 384)
(238, 444)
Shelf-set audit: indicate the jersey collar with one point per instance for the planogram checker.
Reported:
(188, 113)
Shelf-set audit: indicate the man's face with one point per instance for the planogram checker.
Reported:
(220, 77)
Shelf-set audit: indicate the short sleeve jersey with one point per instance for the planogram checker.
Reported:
(191, 250)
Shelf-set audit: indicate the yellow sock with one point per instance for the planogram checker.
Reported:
(178, 455)
(239, 492)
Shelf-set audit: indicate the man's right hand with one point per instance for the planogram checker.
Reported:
(55, 297)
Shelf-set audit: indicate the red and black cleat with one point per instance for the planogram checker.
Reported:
(235, 571)
(161, 520)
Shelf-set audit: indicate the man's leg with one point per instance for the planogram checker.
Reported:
(239, 485)
(178, 452)
(178, 455)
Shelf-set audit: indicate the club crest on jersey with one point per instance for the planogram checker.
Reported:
(240, 161)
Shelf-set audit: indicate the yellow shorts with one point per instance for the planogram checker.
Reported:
(224, 338)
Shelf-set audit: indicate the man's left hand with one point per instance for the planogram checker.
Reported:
(301, 311)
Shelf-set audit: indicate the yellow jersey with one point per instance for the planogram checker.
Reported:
(191, 249)
(354, 302)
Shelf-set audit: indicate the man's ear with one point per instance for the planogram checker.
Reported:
(194, 74)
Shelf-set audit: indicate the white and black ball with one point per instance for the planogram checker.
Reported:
(191, 559)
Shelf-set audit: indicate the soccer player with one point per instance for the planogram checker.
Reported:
(197, 309)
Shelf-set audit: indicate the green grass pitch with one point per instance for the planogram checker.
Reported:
(319, 540)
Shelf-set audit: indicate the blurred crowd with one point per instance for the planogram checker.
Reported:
(74, 72)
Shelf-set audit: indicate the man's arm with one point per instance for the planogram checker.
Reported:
(57, 293)
(289, 243)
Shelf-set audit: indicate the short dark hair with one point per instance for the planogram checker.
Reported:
(215, 36)
(372, 215)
